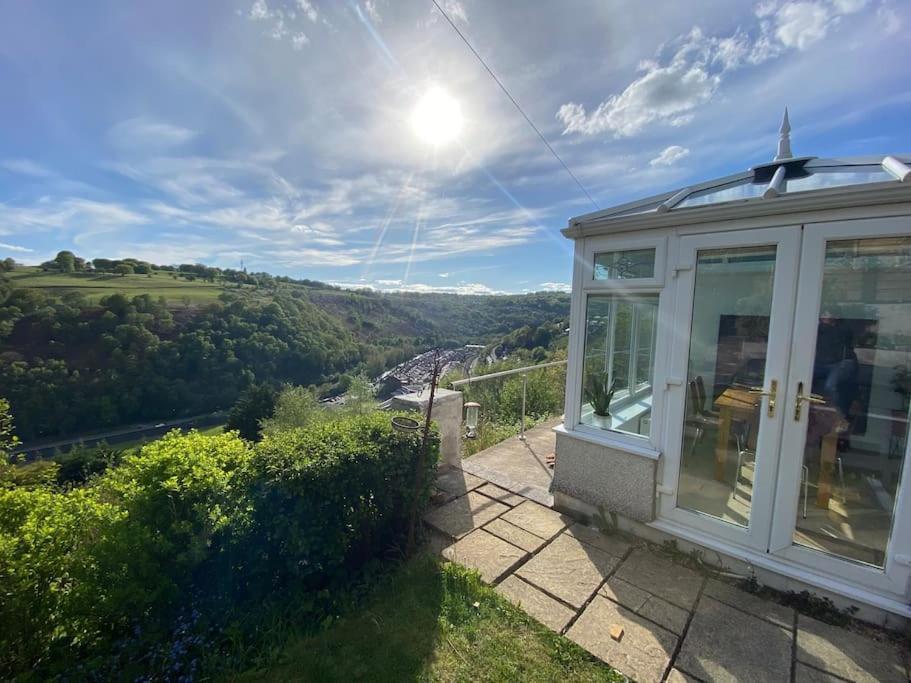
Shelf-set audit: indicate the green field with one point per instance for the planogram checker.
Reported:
(97, 285)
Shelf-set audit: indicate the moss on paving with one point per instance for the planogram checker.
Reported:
(434, 622)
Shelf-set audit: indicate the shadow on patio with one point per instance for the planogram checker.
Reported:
(520, 467)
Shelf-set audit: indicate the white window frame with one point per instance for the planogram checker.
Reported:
(584, 285)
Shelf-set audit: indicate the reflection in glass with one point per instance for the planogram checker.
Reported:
(732, 304)
(625, 265)
(618, 361)
(857, 424)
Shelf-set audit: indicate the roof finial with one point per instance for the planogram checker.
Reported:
(784, 138)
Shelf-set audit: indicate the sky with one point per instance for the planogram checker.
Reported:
(283, 134)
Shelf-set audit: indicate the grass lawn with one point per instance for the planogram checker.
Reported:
(434, 622)
(95, 286)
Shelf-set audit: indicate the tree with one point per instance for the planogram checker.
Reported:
(123, 269)
(254, 405)
(7, 265)
(294, 407)
(66, 261)
(8, 440)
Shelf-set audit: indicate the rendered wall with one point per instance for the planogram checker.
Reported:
(447, 413)
(605, 477)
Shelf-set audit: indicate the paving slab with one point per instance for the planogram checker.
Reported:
(437, 541)
(502, 495)
(664, 614)
(457, 483)
(645, 604)
(491, 556)
(542, 607)
(807, 674)
(848, 654)
(513, 534)
(537, 519)
(568, 569)
(758, 607)
(642, 653)
(678, 676)
(624, 593)
(464, 514)
(612, 545)
(725, 644)
(659, 576)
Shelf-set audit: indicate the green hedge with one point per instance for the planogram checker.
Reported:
(183, 521)
(332, 494)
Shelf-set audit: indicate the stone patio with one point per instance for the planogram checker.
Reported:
(629, 604)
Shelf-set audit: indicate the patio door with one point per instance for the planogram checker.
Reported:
(734, 316)
(841, 505)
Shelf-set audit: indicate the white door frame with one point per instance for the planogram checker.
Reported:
(895, 576)
(787, 242)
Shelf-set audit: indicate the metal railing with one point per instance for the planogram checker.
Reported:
(504, 373)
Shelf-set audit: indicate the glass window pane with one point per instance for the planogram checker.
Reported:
(617, 362)
(739, 189)
(732, 303)
(834, 176)
(856, 434)
(625, 265)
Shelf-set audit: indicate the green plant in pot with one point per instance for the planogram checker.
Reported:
(599, 392)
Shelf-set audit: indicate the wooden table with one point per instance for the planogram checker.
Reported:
(735, 402)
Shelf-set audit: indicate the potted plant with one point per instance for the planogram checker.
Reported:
(599, 393)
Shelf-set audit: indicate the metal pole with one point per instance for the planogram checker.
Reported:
(524, 390)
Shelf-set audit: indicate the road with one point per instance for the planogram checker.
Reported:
(120, 435)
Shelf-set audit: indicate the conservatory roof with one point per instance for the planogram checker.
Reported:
(786, 176)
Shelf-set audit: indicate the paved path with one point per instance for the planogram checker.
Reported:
(632, 606)
(520, 466)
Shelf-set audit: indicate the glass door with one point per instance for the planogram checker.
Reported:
(843, 480)
(734, 318)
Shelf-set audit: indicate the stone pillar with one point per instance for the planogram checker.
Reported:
(447, 413)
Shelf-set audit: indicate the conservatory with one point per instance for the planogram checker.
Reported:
(740, 371)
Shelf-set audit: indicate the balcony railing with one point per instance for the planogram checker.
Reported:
(523, 371)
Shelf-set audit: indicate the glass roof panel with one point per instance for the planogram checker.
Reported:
(835, 176)
(738, 189)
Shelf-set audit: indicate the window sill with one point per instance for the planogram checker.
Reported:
(610, 440)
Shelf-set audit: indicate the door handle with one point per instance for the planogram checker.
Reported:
(771, 393)
(809, 398)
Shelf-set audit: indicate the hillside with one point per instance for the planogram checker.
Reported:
(88, 350)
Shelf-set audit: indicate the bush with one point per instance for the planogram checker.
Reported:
(81, 463)
(126, 557)
(37, 474)
(62, 561)
(329, 496)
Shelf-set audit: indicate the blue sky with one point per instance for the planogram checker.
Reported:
(280, 132)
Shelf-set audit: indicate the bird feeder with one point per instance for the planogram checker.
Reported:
(472, 412)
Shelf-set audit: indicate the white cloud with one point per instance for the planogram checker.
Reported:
(454, 8)
(888, 19)
(299, 40)
(142, 133)
(664, 94)
(801, 24)
(308, 9)
(260, 10)
(373, 10)
(670, 90)
(849, 6)
(16, 248)
(554, 287)
(26, 167)
(669, 156)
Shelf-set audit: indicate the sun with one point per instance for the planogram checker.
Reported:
(437, 118)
